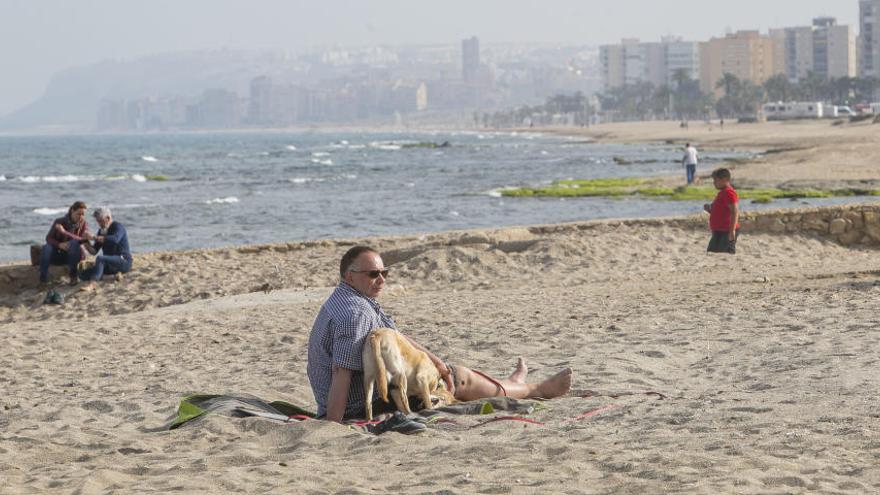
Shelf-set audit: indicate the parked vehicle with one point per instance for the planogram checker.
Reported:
(793, 110)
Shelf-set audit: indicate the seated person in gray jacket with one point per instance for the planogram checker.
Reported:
(113, 241)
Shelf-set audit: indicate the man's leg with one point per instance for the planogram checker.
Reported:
(73, 258)
(45, 261)
(691, 171)
(102, 264)
(718, 243)
(470, 385)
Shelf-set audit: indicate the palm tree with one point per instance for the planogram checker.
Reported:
(779, 88)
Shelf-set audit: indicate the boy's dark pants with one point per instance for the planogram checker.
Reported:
(720, 242)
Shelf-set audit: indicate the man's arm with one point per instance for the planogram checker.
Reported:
(114, 233)
(734, 219)
(337, 399)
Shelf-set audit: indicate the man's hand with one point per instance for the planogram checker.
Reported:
(64, 246)
(707, 207)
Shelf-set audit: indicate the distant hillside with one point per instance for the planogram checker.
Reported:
(71, 98)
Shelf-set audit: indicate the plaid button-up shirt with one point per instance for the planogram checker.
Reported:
(345, 320)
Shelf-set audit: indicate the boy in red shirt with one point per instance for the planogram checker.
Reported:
(723, 214)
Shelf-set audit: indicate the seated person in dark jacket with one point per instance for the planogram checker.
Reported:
(64, 242)
(113, 241)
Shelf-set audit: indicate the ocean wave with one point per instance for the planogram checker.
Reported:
(33, 179)
(149, 158)
(57, 178)
(2, 178)
(49, 211)
(304, 180)
(322, 162)
(320, 153)
(385, 146)
(291, 147)
(226, 200)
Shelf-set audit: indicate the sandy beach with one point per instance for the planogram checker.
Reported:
(799, 153)
(694, 373)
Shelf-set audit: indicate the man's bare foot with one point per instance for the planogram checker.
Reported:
(90, 287)
(520, 373)
(555, 386)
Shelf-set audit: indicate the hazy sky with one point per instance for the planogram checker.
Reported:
(40, 37)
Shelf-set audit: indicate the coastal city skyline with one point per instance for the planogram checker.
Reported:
(578, 52)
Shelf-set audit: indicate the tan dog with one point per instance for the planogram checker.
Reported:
(389, 357)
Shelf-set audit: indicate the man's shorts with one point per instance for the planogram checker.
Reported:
(720, 242)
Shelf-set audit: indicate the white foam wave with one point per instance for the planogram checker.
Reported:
(291, 147)
(226, 200)
(49, 211)
(304, 180)
(138, 178)
(322, 162)
(2, 178)
(149, 158)
(320, 153)
(55, 178)
(385, 146)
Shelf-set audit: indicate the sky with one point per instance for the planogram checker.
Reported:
(41, 37)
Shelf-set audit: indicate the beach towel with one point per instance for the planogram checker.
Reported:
(195, 407)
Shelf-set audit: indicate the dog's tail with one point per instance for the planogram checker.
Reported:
(381, 373)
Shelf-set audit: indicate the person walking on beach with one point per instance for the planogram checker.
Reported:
(723, 214)
(335, 366)
(689, 162)
(112, 239)
(65, 242)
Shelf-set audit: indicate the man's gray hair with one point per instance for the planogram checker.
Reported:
(101, 212)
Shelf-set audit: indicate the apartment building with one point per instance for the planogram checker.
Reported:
(869, 38)
(826, 49)
(632, 62)
(748, 55)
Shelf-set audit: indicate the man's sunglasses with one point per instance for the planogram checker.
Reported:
(373, 273)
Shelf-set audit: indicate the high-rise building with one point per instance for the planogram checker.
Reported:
(632, 62)
(834, 49)
(260, 101)
(748, 55)
(824, 49)
(470, 59)
(869, 38)
(682, 56)
(613, 66)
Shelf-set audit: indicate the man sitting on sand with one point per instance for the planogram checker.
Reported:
(347, 318)
(64, 241)
(113, 240)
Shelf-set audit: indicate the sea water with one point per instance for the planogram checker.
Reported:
(181, 191)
